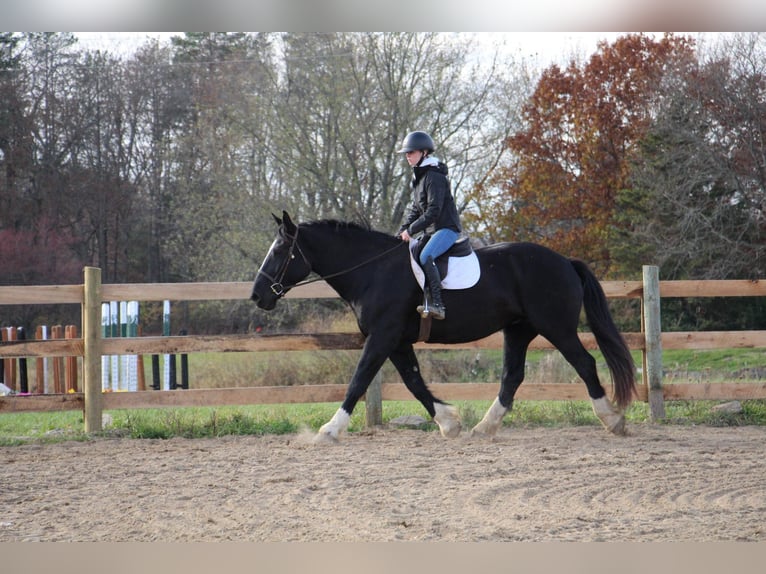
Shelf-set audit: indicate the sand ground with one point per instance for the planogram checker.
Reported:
(659, 483)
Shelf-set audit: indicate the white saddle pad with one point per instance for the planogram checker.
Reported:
(463, 272)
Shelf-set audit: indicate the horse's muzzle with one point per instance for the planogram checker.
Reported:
(266, 304)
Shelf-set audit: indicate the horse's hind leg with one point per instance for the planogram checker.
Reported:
(517, 339)
(612, 418)
(446, 416)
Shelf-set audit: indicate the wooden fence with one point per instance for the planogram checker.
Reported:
(91, 346)
(64, 376)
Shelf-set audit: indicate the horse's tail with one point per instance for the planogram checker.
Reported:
(610, 341)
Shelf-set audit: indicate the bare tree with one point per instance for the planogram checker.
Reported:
(347, 100)
(217, 168)
(16, 148)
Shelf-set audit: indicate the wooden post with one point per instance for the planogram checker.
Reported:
(57, 332)
(9, 334)
(21, 335)
(373, 402)
(70, 378)
(156, 384)
(131, 329)
(41, 371)
(650, 304)
(91, 360)
(140, 360)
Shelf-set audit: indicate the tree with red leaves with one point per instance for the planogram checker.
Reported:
(583, 125)
(37, 256)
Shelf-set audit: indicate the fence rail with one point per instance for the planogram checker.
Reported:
(91, 346)
(349, 341)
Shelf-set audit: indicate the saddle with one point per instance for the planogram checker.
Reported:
(458, 266)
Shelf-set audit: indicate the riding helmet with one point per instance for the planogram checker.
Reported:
(417, 141)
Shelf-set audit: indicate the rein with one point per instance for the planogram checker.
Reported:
(279, 289)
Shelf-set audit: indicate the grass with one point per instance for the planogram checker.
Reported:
(714, 365)
(221, 370)
(248, 369)
(211, 422)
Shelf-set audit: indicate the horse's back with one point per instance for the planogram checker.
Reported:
(542, 285)
(530, 265)
(519, 282)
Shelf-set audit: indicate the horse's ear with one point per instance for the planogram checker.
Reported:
(288, 223)
(279, 221)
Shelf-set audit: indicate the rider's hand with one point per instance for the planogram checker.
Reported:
(405, 236)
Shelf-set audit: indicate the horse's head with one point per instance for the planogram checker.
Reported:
(284, 266)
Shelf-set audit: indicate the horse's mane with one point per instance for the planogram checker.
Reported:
(352, 229)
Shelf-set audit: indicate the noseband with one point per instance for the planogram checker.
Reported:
(276, 282)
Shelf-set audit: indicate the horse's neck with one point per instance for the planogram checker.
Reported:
(343, 258)
(340, 256)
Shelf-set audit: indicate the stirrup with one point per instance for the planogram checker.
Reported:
(424, 310)
(428, 310)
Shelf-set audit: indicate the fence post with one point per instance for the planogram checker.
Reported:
(652, 354)
(41, 372)
(132, 331)
(9, 365)
(57, 332)
(21, 335)
(167, 385)
(373, 402)
(114, 331)
(91, 360)
(70, 371)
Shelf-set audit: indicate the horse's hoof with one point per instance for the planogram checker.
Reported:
(480, 431)
(448, 420)
(612, 418)
(451, 429)
(618, 428)
(325, 438)
(452, 432)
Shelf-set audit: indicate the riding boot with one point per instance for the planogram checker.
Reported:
(433, 305)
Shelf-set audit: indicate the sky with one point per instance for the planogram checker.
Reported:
(551, 31)
(546, 47)
(388, 15)
(541, 49)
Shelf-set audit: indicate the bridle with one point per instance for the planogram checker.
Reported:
(278, 288)
(276, 282)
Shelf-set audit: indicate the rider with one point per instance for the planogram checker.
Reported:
(433, 210)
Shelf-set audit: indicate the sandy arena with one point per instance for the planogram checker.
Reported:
(660, 483)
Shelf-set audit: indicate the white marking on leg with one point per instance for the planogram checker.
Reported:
(448, 420)
(492, 421)
(331, 430)
(609, 415)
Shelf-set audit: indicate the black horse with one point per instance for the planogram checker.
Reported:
(525, 290)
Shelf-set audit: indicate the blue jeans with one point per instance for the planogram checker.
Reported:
(440, 241)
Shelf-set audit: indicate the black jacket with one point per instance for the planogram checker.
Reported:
(433, 206)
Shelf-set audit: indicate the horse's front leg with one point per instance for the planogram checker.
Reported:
(446, 416)
(374, 354)
(516, 341)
